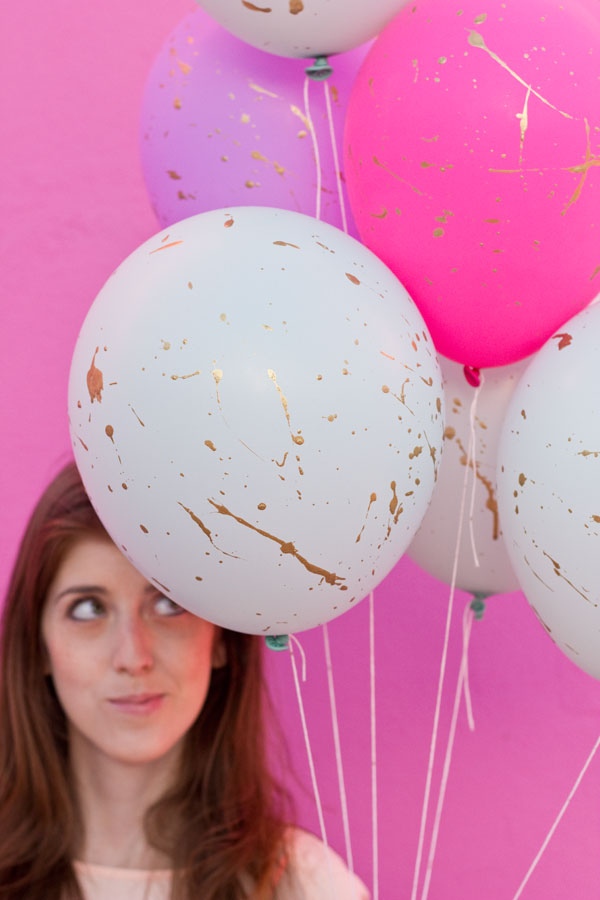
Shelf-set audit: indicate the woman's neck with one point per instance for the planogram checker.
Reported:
(113, 797)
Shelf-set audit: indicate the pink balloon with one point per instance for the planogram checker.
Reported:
(223, 124)
(471, 144)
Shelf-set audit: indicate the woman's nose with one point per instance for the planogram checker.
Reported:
(133, 646)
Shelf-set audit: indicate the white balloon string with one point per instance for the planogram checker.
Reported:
(336, 161)
(558, 818)
(311, 764)
(313, 134)
(473, 462)
(440, 689)
(373, 748)
(338, 749)
(467, 619)
(293, 638)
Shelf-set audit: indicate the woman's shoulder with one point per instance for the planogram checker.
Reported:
(316, 871)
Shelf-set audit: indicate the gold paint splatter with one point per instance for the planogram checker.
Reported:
(79, 404)
(260, 90)
(480, 19)
(136, 415)
(331, 417)
(217, 374)
(172, 174)
(95, 381)
(190, 285)
(594, 273)
(85, 446)
(228, 223)
(491, 502)
(287, 547)
(282, 463)
(267, 328)
(438, 232)
(298, 439)
(124, 486)
(523, 122)
(372, 500)
(261, 506)
(296, 6)
(285, 244)
(564, 577)
(144, 529)
(380, 215)
(522, 479)
(177, 103)
(166, 345)
(273, 378)
(565, 340)
(523, 413)
(476, 40)
(449, 433)
(210, 445)
(334, 93)
(204, 529)
(161, 585)
(596, 518)
(427, 381)
(223, 317)
(251, 184)
(183, 377)
(298, 112)
(165, 247)
(394, 500)
(109, 431)
(185, 67)
(589, 161)
(253, 8)
(416, 452)
(387, 355)
(352, 278)
(395, 175)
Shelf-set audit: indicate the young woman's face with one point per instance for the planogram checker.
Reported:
(131, 668)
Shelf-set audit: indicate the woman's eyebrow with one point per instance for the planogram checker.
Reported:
(81, 589)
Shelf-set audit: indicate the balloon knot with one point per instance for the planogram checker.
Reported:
(277, 641)
(473, 375)
(320, 70)
(478, 607)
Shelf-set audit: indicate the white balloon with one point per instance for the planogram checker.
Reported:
(434, 545)
(255, 407)
(303, 28)
(549, 487)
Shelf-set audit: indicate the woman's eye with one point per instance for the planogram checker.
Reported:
(164, 606)
(86, 610)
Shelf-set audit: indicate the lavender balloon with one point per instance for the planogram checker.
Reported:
(224, 124)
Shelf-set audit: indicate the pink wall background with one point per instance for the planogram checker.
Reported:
(73, 206)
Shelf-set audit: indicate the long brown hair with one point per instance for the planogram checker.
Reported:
(222, 822)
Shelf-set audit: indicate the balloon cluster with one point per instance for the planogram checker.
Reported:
(256, 405)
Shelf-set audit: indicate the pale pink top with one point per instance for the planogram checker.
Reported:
(320, 875)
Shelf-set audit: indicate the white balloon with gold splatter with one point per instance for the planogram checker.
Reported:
(256, 411)
(303, 28)
(549, 487)
(483, 564)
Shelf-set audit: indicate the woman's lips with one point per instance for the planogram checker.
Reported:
(137, 704)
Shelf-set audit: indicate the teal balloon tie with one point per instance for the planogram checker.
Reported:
(277, 641)
(320, 70)
(478, 604)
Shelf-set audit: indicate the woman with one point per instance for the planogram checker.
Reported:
(132, 749)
